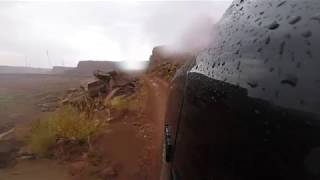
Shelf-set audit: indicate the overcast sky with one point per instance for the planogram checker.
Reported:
(69, 31)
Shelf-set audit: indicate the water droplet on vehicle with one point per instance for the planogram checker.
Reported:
(273, 25)
(290, 80)
(270, 4)
(293, 5)
(271, 69)
(308, 52)
(294, 19)
(316, 17)
(252, 84)
(288, 36)
(307, 34)
(282, 45)
(268, 40)
(238, 65)
(308, 43)
(282, 3)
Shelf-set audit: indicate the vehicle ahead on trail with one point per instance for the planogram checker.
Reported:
(248, 107)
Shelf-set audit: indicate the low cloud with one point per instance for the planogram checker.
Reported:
(73, 31)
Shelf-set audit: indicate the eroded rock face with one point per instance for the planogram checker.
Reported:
(164, 61)
(164, 54)
(89, 67)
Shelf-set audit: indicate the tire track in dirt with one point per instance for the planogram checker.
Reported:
(156, 105)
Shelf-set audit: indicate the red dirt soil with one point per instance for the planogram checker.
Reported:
(157, 100)
(133, 147)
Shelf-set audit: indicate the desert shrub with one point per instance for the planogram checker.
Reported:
(66, 123)
(166, 71)
(170, 71)
(131, 103)
(123, 103)
(119, 103)
(41, 138)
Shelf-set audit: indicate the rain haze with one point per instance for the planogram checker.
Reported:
(159, 89)
(46, 34)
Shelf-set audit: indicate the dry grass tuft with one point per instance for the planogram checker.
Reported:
(132, 103)
(67, 124)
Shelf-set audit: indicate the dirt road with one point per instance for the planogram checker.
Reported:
(134, 144)
(157, 100)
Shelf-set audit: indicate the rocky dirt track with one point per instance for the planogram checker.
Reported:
(130, 147)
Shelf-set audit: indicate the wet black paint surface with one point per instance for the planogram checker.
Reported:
(251, 102)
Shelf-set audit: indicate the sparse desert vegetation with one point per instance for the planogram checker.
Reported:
(166, 70)
(90, 127)
(65, 124)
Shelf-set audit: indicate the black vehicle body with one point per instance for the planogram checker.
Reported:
(248, 107)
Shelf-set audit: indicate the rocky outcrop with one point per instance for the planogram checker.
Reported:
(164, 62)
(61, 69)
(89, 67)
(94, 93)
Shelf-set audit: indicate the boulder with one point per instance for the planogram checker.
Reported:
(95, 88)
